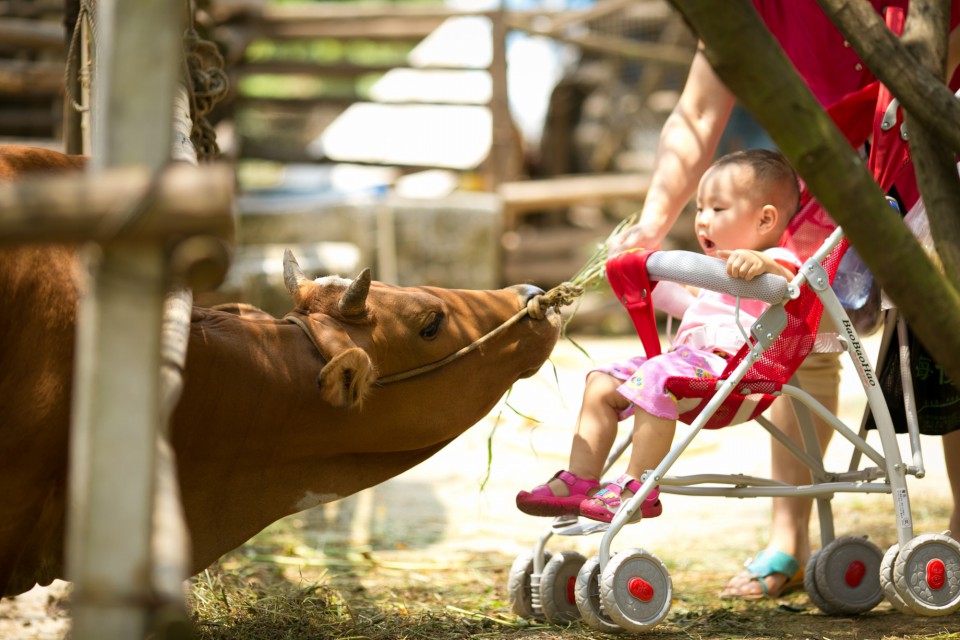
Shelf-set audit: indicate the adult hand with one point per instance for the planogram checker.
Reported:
(642, 235)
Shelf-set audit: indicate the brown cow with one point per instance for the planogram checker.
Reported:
(255, 437)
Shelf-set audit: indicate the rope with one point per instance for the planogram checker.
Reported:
(563, 294)
(85, 15)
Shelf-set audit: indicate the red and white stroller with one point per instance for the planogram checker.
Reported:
(632, 589)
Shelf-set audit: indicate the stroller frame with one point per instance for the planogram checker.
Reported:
(632, 589)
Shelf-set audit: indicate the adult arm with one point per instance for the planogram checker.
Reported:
(687, 143)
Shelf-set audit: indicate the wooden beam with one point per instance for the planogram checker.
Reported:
(553, 24)
(124, 203)
(295, 104)
(676, 55)
(36, 78)
(32, 34)
(501, 160)
(307, 68)
(17, 119)
(31, 9)
(387, 28)
(536, 195)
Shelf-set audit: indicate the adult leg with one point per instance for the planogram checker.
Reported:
(790, 517)
(951, 458)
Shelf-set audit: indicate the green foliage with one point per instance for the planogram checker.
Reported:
(325, 51)
(329, 51)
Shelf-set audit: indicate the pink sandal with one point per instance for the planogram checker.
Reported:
(605, 504)
(542, 502)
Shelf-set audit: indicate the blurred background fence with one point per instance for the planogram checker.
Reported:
(462, 144)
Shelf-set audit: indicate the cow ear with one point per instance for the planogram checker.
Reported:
(349, 373)
(347, 378)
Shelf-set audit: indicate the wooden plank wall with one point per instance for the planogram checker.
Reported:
(32, 55)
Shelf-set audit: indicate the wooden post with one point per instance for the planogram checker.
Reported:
(501, 159)
(117, 406)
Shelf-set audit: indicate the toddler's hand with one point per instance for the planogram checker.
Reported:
(743, 263)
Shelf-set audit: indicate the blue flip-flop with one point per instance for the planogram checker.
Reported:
(767, 563)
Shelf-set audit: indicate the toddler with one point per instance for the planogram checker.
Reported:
(744, 202)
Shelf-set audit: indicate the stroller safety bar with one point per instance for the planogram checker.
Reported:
(698, 270)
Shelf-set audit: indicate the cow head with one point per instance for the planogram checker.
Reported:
(367, 330)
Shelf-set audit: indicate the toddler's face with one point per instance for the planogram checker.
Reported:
(729, 210)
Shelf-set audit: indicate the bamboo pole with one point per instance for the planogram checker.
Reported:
(127, 204)
(501, 158)
(113, 459)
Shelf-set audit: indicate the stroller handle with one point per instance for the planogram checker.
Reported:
(698, 270)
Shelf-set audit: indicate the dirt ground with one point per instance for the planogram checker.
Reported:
(444, 534)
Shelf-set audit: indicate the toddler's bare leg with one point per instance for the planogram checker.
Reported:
(652, 439)
(596, 429)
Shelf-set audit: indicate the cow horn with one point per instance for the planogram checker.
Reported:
(353, 302)
(292, 274)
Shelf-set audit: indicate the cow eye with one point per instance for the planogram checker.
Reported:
(430, 331)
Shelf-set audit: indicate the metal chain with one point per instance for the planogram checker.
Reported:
(207, 85)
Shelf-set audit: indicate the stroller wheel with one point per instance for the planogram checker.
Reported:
(847, 576)
(636, 589)
(886, 581)
(521, 586)
(588, 598)
(926, 574)
(558, 598)
(810, 585)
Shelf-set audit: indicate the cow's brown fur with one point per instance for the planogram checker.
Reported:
(254, 438)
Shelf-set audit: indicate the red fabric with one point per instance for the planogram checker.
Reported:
(830, 67)
(833, 71)
(627, 275)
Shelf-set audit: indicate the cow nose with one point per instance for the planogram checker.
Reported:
(526, 292)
